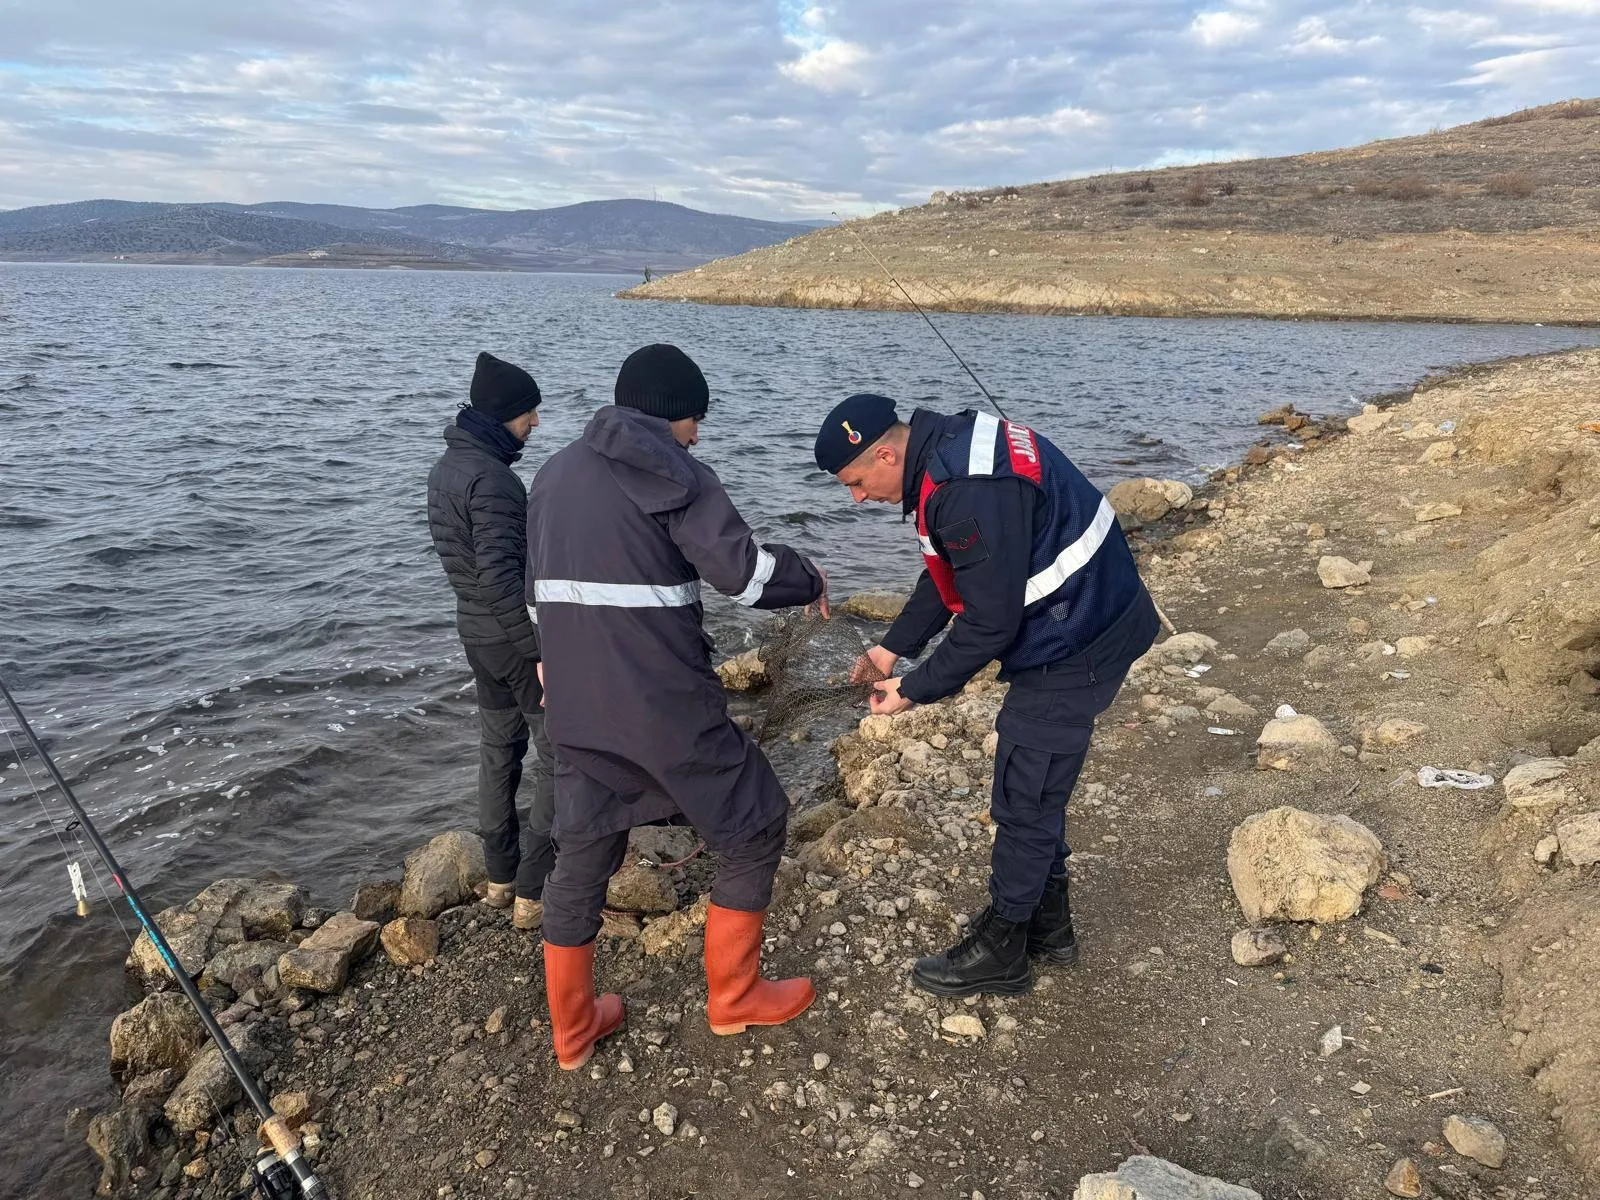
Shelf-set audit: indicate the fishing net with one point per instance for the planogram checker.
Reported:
(809, 664)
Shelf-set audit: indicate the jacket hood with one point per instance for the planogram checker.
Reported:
(649, 466)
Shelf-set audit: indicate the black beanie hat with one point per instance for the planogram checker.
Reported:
(503, 390)
(664, 382)
(851, 428)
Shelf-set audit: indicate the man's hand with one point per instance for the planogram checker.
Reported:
(539, 670)
(821, 601)
(886, 699)
(874, 665)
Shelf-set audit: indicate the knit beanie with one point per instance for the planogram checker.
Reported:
(664, 382)
(502, 390)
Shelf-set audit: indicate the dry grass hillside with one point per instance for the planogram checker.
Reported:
(1498, 220)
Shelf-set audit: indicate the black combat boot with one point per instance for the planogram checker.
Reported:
(1050, 936)
(992, 959)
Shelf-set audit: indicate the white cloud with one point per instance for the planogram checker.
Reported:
(1452, 23)
(1062, 121)
(1312, 36)
(834, 66)
(1223, 28)
(1513, 69)
(1577, 8)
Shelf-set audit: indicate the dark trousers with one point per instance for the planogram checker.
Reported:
(1044, 739)
(576, 893)
(516, 849)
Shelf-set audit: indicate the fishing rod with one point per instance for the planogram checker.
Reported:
(995, 404)
(281, 1172)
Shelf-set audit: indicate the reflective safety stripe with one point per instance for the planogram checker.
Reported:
(1075, 557)
(926, 543)
(985, 436)
(616, 595)
(533, 614)
(766, 564)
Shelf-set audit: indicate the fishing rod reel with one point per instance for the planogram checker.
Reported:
(272, 1177)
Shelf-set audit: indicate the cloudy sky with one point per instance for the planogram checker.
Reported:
(773, 108)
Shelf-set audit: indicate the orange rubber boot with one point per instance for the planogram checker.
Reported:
(577, 1019)
(739, 996)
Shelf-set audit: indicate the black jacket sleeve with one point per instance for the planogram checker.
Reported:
(923, 616)
(500, 546)
(716, 540)
(985, 528)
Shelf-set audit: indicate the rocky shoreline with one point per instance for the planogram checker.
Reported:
(1306, 973)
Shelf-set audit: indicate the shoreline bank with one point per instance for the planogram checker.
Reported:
(1467, 647)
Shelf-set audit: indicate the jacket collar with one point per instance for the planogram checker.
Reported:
(926, 428)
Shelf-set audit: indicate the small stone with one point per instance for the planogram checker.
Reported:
(1288, 644)
(1438, 452)
(1258, 948)
(1412, 647)
(1476, 1138)
(1361, 1089)
(1371, 419)
(1547, 849)
(442, 874)
(1580, 839)
(1404, 1179)
(485, 1158)
(1437, 512)
(197, 1168)
(914, 1180)
(819, 1062)
(665, 1119)
(410, 941)
(1336, 572)
(962, 1025)
(376, 900)
(496, 1021)
(1144, 1177)
(293, 1107)
(1331, 1042)
(1394, 731)
(567, 1119)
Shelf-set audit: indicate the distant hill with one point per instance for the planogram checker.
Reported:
(1498, 220)
(600, 235)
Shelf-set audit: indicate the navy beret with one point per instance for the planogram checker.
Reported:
(851, 427)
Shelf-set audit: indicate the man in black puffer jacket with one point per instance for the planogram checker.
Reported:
(477, 515)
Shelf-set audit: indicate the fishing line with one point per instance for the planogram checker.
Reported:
(862, 243)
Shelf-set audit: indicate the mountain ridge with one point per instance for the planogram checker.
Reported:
(597, 235)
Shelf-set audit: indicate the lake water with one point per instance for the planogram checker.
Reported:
(218, 602)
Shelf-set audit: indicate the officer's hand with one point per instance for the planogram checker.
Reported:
(874, 665)
(539, 668)
(821, 601)
(886, 699)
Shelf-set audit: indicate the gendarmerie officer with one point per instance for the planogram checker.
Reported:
(1028, 557)
(624, 528)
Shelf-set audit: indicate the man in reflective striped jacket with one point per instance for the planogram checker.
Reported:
(624, 528)
(1027, 556)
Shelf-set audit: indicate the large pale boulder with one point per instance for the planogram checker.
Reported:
(1292, 865)
(1287, 740)
(1539, 784)
(743, 672)
(1337, 572)
(1580, 839)
(873, 606)
(1181, 649)
(224, 914)
(322, 962)
(442, 874)
(161, 1031)
(1371, 419)
(1148, 499)
(410, 941)
(244, 963)
(210, 1088)
(1393, 731)
(1147, 1178)
(641, 889)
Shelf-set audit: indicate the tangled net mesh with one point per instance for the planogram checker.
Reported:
(809, 665)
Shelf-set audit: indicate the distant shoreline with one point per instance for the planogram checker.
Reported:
(454, 268)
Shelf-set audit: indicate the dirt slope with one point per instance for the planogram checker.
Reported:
(1495, 221)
